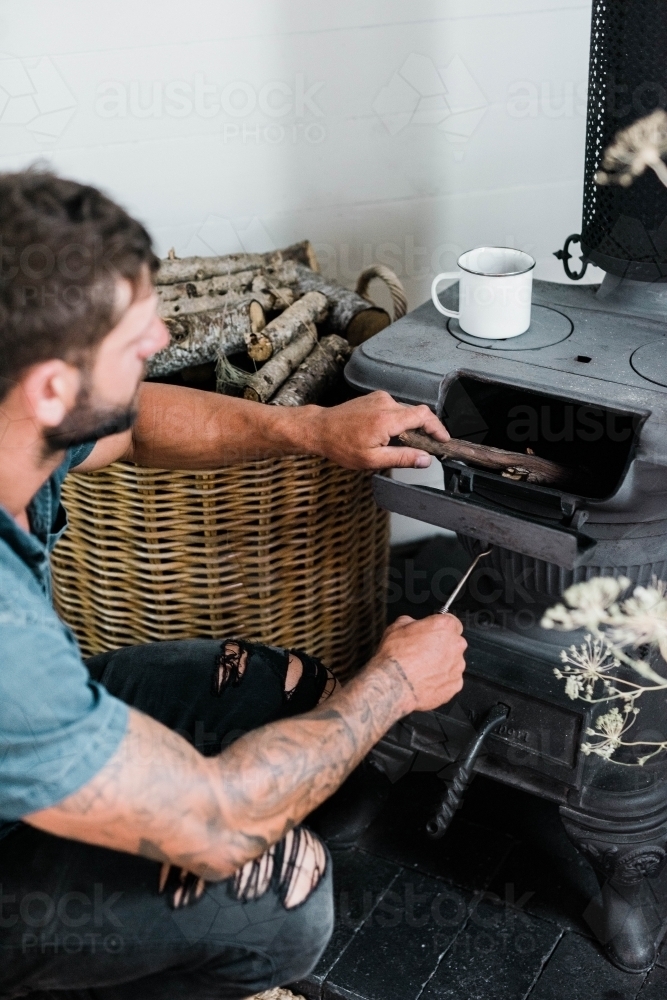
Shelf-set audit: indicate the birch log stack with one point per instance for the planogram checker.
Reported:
(301, 253)
(259, 303)
(277, 993)
(279, 368)
(316, 374)
(310, 308)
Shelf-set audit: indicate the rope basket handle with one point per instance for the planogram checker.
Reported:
(391, 280)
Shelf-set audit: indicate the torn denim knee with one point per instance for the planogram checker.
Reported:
(181, 886)
(315, 682)
(230, 664)
(293, 868)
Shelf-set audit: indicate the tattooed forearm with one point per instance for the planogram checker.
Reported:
(160, 798)
(275, 776)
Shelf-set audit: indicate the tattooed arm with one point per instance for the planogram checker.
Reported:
(159, 797)
(182, 428)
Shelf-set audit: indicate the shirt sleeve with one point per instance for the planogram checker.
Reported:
(58, 728)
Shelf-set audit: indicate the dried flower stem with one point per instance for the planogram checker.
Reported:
(612, 625)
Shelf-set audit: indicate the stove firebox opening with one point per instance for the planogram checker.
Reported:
(596, 441)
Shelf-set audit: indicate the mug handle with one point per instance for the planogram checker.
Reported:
(434, 293)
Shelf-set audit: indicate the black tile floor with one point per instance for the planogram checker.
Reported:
(503, 908)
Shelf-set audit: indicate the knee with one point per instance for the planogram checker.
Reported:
(306, 681)
(294, 868)
(298, 871)
(308, 927)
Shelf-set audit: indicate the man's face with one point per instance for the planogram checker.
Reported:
(106, 401)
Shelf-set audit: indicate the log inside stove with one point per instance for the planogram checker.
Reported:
(578, 447)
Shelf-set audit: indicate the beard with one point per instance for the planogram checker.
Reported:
(86, 423)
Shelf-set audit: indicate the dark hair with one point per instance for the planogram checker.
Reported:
(63, 247)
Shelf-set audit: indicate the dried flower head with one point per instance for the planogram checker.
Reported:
(585, 666)
(610, 729)
(589, 603)
(641, 145)
(642, 618)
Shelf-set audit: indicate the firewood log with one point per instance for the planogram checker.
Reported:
(352, 317)
(195, 269)
(278, 281)
(283, 298)
(207, 303)
(279, 368)
(529, 468)
(202, 337)
(316, 374)
(310, 308)
(241, 281)
(200, 268)
(302, 253)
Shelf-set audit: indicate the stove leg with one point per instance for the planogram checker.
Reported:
(627, 861)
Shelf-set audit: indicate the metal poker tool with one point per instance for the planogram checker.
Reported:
(444, 610)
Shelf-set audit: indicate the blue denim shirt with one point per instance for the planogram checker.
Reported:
(57, 726)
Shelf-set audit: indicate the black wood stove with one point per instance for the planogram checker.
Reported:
(586, 386)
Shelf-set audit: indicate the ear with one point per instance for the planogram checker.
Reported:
(50, 390)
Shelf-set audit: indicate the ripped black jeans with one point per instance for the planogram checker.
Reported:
(85, 923)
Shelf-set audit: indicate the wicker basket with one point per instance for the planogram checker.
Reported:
(290, 551)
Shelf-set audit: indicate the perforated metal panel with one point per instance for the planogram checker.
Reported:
(624, 230)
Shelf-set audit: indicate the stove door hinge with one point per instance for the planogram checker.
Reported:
(459, 481)
(574, 518)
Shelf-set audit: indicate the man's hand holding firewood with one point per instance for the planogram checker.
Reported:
(183, 428)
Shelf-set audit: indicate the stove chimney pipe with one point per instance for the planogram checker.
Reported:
(624, 230)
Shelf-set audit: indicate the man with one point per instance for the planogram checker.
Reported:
(138, 859)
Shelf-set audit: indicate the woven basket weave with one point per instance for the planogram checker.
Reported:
(289, 551)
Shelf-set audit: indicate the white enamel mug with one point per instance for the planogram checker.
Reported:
(495, 292)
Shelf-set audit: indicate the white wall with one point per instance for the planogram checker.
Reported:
(395, 130)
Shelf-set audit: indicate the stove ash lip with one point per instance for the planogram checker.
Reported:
(521, 498)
